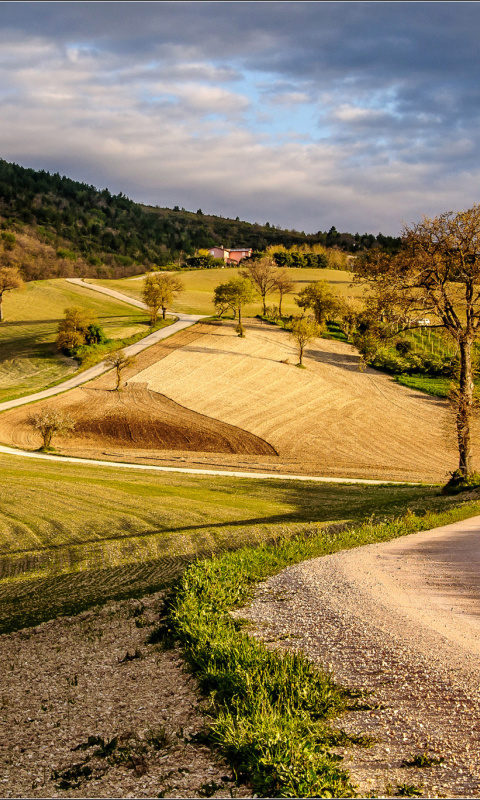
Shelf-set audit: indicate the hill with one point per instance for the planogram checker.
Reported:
(208, 398)
(99, 234)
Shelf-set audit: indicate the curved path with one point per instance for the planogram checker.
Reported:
(183, 321)
(401, 620)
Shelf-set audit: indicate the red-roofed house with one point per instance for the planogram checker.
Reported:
(230, 256)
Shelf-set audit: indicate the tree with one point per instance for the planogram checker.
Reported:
(239, 292)
(10, 278)
(159, 292)
(319, 298)
(78, 327)
(303, 330)
(224, 298)
(50, 422)
(262, 273)
(436, 273)
(119, 361)
(283, 285)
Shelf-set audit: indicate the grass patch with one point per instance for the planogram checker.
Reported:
(73, 536)
(29, 360)
(438, 387)
(270, 712)
(200, 285)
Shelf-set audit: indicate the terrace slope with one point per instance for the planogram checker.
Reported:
(241, 404)
(329, 415)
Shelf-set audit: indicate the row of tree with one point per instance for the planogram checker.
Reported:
(104, 229)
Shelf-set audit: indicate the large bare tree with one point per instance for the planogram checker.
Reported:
(437, 273)
(263, 274)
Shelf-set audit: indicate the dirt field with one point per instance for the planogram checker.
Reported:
(135, 418)
(206, 391)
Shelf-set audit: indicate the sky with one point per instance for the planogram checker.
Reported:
(358, 115)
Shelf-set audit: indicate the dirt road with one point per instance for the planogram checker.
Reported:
(402, 620)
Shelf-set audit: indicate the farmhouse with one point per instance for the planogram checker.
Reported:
(230, 256)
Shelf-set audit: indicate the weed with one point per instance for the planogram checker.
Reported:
(72, 777)
(408, 790)
(422, 760)
(157, 738)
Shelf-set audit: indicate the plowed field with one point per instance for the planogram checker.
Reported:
(328, 417)
(208, 397)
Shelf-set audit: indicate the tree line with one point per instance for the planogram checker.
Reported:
(103, 233)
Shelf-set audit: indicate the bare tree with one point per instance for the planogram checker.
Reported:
(159, 292)
(10, 278)
(119, 361)
(284, 285)
(50, 422)
(262, 273)
(304, 330)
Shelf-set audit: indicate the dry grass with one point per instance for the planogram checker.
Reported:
(29, 360)
(330, 414)
(200, 284)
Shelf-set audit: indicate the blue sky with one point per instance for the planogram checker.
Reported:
(306, 115)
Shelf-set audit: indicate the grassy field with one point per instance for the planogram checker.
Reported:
(76, 535)
(200, 284)
(28, 358)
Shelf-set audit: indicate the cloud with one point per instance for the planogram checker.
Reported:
(309, 115)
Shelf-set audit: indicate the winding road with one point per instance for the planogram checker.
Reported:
(183, 321)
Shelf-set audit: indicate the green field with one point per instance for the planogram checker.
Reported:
(76, 535)
(28, 358)
(200, 284)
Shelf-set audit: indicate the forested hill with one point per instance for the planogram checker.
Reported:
(102, 228)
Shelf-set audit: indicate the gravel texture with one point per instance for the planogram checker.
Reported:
(94, 676)
(378, 620)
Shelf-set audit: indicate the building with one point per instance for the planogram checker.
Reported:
(230, 256)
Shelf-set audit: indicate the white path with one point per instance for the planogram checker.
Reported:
(11, 451)
(183, 321)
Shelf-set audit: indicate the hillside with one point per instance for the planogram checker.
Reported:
(101, 234)
(208, 398)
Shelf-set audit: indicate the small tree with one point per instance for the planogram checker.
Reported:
(303, 331)
(159, 292)
(119, 361)
(10, 278)
(262, 273)
(319, 298)
(50, 422)
(224, 299)
(283, 285)
(240, 292)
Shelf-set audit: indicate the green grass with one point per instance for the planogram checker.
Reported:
(28, 359)
(270, 711)
(74, 535)
(200, 285)
(438, 387)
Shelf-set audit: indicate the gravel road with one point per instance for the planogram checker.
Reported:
(400, 620)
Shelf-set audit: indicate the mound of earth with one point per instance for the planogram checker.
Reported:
(137, 419)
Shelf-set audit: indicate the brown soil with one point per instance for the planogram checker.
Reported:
(95, 675)
(135, 418)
